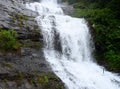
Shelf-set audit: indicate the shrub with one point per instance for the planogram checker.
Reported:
(113, 59)
(8, 40)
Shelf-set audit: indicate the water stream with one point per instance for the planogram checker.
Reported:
(68, 48)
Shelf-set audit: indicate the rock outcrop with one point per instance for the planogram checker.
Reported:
(14, 15)
(26, 69)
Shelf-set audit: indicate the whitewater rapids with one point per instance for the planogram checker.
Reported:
(68, 48)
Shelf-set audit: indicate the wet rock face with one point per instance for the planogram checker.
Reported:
(68, 9)
(27, 68)
(34, 0)
(14, 15)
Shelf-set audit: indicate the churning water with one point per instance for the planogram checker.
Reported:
(68, 49)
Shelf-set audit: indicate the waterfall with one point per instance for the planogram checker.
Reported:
(68, 48)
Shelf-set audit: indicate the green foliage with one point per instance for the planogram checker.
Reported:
(8, 41)
(79, 5)
(113, 60)
(43, 79)
(105, 20)
(49, 81)
(19, 19)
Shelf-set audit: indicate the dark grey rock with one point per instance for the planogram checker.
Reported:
(68, 9)
(28, 85)
(22, 70)
(11, 84)
(14, 15)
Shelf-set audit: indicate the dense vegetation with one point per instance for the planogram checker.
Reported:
(104, 17)
(8, 40)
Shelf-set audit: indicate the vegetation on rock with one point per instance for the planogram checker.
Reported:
(8, 40)
(16, 70)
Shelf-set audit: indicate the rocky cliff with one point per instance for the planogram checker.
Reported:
(28, 68)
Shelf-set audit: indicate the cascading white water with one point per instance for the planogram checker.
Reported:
(73, 62)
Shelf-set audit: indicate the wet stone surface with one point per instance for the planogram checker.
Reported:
(27, 68)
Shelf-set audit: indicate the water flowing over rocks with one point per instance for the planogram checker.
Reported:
(75, 64)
